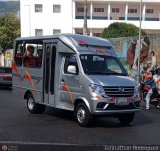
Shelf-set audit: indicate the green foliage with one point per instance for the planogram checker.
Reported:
(121, 30)
(9, 30)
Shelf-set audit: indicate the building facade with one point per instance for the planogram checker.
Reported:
(47, 17)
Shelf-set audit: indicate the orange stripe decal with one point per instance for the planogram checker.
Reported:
(28, 77)
(65, 87)
(14, 68)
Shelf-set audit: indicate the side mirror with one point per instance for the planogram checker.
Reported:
(71, 69)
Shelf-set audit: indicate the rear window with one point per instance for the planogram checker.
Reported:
(5, 70)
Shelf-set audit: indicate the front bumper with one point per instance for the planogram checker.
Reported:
(110, 106)
(5, 83)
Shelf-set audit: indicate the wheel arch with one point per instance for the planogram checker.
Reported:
(27, 93)
(84, 100)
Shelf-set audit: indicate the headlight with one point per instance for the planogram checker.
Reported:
(137, 89)
(94, 88)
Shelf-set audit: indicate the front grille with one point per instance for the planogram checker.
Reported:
(123, 91)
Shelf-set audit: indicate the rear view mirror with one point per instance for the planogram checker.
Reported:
(71, 69)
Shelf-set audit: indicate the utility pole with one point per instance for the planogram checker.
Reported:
(140, 24)
(85, 30)
(29, 14)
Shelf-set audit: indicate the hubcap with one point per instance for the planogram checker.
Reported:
(158, 106)
(81, 115)
(30, 103)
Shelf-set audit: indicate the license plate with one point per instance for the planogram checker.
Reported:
(121, 101)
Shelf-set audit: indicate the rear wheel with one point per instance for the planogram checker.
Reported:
(126, 118)
(34, 107)
(83, 116)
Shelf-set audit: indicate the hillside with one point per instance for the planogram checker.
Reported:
(9, 7)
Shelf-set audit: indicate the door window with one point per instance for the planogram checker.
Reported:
(47, 65)
(71, 61)
(53, 61)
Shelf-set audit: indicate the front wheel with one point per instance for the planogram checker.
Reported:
(83, 116)
(158, 105)
(126, 118)
(34, 107)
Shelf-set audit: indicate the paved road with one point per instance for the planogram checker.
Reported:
(57, 128)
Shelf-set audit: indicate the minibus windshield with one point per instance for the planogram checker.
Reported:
(94, 64)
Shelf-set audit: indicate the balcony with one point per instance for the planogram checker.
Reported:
(149, 23)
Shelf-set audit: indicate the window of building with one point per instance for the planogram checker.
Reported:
(56, 8)
(38, 32)
(80, 9)
(115, 10)
(98, 10)
(80, 33)
(149, 11)
(132, 10)
(97, 34)
(56, 31)
(38, 7)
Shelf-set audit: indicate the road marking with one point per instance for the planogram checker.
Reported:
(44, 143)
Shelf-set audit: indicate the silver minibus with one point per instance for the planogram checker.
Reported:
(74, 72)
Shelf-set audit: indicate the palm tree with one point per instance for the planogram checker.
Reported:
(85, 32)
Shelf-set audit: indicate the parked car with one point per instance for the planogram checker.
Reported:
(6, 77)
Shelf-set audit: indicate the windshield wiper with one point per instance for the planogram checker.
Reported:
(116, 73)
(94, 72)
(105, 73)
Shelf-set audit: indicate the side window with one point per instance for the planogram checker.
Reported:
(33, 54)
(39, 56)
(71, 65)
(18, 54)
(29, 56)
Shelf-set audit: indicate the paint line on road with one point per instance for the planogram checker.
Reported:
(44, 143)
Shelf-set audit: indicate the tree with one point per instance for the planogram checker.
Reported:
(9, 30)
(121, 30)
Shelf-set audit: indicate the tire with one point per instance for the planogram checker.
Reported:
(83, 116)
(34, 107)
(126, 118)
(158, 105)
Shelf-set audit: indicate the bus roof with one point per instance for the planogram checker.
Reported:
(79, 43)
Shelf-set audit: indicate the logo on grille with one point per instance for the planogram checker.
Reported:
(121, 89)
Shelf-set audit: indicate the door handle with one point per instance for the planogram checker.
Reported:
(62, 80)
